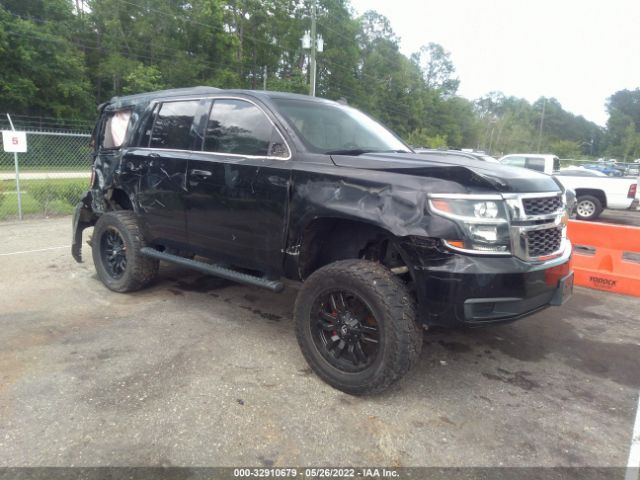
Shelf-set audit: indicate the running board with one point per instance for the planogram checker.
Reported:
(216, 270)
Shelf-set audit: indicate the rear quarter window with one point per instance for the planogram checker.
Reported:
(115, 129)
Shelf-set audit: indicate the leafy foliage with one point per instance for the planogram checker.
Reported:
(624, 124)
(62, 57)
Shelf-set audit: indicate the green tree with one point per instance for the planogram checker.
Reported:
(565, 149)
(623, 126)
(42, 70)
(437, 68)
(142, 79)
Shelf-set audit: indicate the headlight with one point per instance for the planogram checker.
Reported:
(482, 218)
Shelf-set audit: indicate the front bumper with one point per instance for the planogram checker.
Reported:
(458, 289)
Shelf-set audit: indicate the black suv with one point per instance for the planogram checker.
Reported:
(259, 186)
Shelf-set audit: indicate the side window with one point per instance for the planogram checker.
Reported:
(536, 164)
(172, 127)
(514, 161)
(115, 129)
(239, 127)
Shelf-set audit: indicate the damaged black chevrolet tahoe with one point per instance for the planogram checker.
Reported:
(259, 186)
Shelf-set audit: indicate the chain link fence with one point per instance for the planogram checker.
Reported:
(53, 173)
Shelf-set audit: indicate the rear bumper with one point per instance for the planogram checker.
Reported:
(457, 289)
(83, 217)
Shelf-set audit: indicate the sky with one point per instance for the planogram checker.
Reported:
(579, 52)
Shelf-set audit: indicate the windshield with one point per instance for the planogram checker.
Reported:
(337, 129)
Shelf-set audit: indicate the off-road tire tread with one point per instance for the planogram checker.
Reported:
(404, 334)
(142, 269)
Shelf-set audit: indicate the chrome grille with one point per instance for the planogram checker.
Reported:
(544, 242)
(542, 205)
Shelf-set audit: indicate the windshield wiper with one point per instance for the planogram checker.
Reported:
(360, 151)
(353, 151)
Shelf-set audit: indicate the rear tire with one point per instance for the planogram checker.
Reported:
(356, 326)
(588, 207)
(116, 244)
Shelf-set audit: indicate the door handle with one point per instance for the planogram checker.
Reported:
(200, 173)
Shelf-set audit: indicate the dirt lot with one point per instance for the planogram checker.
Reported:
(196, 371)
(621, 217)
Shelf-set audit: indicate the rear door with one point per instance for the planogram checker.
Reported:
(238, 187)
(160, 170)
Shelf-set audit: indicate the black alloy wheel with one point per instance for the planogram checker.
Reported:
(356, 326)
(116, 244)
(113, 252)
(345, 332)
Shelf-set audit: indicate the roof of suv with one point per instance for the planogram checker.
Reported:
(127, 100)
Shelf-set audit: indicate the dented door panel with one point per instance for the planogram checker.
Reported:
(236, 208)
(157, 181)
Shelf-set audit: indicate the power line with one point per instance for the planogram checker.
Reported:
(95, 46)
(132, 52)
(195, 22)
(342, 88)
(249, 65)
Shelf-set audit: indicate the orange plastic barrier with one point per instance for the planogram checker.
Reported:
(605, 256)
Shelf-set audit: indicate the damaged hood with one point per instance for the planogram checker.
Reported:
(473, 174)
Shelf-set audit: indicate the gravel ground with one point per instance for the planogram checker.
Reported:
(194, 371)
(621, 217)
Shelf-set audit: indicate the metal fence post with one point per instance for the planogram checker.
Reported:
(15, 163)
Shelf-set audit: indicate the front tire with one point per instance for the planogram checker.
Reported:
(588, 207)
(356, 326)
(116, 243)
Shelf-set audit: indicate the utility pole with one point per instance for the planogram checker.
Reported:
(312, 87)
(544, 106)
(264, 78)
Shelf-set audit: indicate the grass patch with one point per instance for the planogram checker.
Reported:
(41, 198)
(84, 167)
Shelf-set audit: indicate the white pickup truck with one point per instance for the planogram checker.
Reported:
(594, 191)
